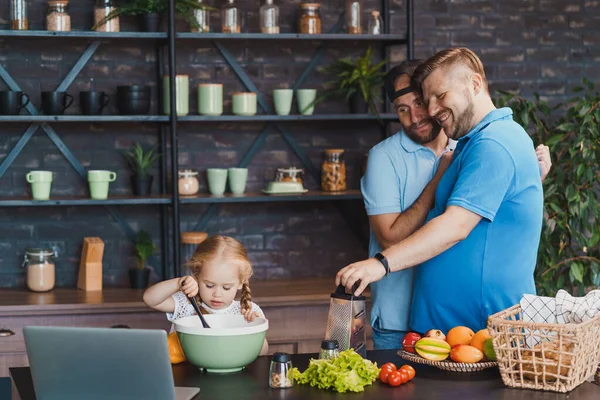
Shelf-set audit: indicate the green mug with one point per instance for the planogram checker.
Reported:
(41, 181)
(244, 103)
(282, 100)
(237, 180)
(306, 98)
(217, 180)
(98, 181)
(182, 91)
(210, 99)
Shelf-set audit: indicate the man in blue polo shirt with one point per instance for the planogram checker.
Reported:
(479, 246)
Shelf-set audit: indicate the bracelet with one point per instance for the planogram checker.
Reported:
(381, 258)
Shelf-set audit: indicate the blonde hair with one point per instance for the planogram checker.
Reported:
(224, 247)
(448, 57)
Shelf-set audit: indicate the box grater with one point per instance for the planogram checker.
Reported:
(346, 321)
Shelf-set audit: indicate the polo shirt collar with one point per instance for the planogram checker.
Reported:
(411, 146)
(499, 113)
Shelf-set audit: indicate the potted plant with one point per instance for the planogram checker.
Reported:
(358, 81)
(140, 163)
(144, 248)
(151, 12)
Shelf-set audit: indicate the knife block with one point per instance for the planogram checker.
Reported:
(90, 266)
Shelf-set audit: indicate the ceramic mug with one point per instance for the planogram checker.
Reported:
(237, 180)
(306, 97)
(210, 99)
(217, 180)
(41, 181)
(182, 89)
(244, 103)
(282, 100)
(98, 181)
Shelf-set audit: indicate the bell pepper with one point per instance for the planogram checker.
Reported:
(175, 351)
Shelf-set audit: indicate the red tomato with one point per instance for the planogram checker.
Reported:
(409, 370)
(408, 343)
(389, 365)
(384, 375)
(395, 378)
(404, 375)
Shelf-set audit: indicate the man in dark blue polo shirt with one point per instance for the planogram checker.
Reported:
(478, 250)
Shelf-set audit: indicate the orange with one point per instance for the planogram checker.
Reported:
(465, 354)
(459, 335)
(479, 338)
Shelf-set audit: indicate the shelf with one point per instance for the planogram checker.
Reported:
(395, 39)
(83, 118)
(84, 34)
(265, 198)
(81, 201)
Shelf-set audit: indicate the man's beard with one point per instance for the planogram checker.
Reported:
(462, 122)
(432, 135)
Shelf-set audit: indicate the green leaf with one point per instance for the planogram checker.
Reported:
(577, 271)
(554, 140)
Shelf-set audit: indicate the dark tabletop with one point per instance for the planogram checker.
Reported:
(430, 383)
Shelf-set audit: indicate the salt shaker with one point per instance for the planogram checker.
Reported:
(280, 371)
(329, 350)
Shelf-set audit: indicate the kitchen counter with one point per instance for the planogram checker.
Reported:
(429, 383)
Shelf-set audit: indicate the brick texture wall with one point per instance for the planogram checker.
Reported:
(532, 46)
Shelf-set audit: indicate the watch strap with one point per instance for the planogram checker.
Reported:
(381, 258)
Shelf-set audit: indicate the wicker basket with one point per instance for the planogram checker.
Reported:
(597, 378)
(553, 357)
(448, 365)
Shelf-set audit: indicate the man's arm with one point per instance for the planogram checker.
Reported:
(393, 228)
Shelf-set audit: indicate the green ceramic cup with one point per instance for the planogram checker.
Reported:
(305, 97)
(237, 180)
(210, 99)
(98, 181)
(217, 180)
(41, 181)
(243, 103)
(182, 90)
(282, 100)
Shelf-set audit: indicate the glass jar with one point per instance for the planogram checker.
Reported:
(202, 17)
(375, 24)
(18, 15)
(310, 19)
(58, 19)
(40, 270)
(269, 17)
(291, 174)
(102, 9)
(280, 371)
(353, 16)
(329, 350)
(333, 173)
(188, 182)
(189, 242)
(231, 18)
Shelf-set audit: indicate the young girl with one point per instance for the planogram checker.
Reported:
(220, 268)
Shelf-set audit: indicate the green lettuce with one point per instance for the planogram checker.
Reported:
(348, 372)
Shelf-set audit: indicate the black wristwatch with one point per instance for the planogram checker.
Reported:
(381, 258)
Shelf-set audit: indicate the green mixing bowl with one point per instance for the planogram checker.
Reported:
(228, 345)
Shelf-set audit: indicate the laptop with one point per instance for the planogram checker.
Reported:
(101, 363)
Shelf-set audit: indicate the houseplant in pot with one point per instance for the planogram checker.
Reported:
(357, 81)
(140, 163)
(151, 12)
(144, 248)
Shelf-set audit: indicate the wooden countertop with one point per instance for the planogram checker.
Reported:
(20, 302)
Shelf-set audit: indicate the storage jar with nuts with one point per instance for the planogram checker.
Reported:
(333, 172)
(58, 19)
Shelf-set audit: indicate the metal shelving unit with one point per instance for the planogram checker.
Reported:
(271, 198)
(84, 201)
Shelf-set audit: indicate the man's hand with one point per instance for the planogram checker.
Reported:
(189, 286)
(543, 155)
(366, 271)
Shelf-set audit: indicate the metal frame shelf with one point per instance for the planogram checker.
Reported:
(84, 201)
(393, 39)
(83, 118)
(84, 35)
(270, 198)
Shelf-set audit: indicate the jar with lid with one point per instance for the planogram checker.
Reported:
(189, 242)
(291, 174)
(188, 184)
(329, 350)
(310, 19)
(354, 16)
(280, 371)
(269, 17)
(18, 15)
(202, 18)
(40, 270)
(102, 10)
(375, 23)
(58, 19)
(333, 172)
(231, 18)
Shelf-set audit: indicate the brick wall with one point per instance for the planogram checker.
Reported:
(543, 46)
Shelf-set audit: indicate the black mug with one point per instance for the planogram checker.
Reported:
(55, 103)
(12, 102)
(93, 102)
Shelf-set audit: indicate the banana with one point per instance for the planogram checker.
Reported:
(433, 349)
